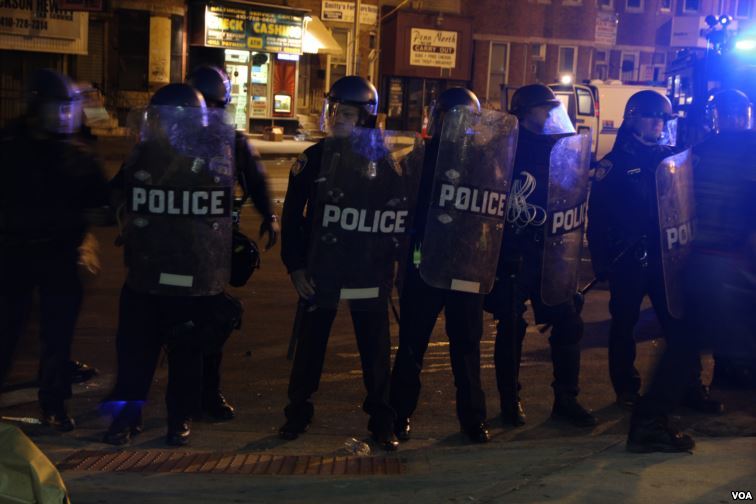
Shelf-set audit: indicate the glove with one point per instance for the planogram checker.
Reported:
(270, 227)
(304, 286)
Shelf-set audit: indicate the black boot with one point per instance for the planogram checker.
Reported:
(512, 414)
(57, 417)
(387, 440)
(568, 409)
(179, 430)
(697, 397)
(126, 424)
(655, 435)
(216, 407)
(81, 372)
(403, 429)
(477, 432)
(293, 428)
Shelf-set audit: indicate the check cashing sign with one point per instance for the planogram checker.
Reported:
(237, 27)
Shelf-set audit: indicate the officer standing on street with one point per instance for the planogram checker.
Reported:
(543, 121)
(49, 180)
(176, 192)
(421, 303)
(352, 102)
(623, 236)
(215, 87)
(722, 291)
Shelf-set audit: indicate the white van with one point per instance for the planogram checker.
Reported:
(598, 106)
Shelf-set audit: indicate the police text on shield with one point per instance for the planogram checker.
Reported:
(473, 200)
(365, 221)
(155, 200)
(568, 220)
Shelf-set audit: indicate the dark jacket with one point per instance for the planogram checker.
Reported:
(47, 184)
(623, 205)
(724, 184)
(297, 214)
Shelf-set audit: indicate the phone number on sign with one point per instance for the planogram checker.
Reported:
(33, 24)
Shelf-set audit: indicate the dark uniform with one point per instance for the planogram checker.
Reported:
(623, 213)
(190, 319)
(48, 182)
(522, 257)
(420, 305)
(371, 327)
(721, 302)
(252, 179)
(623, 221)
(215, 87)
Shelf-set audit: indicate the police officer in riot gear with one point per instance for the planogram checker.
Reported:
(175, 190)
(215, 87)
(351, 103)
(49, 180)
(421, 303)
(521, 264)
(623, 221)
(721, 296)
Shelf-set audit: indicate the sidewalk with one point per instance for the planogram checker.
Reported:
(578, 469)
(287, 147)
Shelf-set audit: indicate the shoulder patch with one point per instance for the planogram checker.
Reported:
(299, 164)
(603, 169)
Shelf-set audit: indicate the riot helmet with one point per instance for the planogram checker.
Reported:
(172, 109)
(649, 114)
(540, 111)
(352, 101)
(447, 100)
(213, 83)
(729, 110)
(55, 101)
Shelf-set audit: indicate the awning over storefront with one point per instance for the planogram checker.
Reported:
(318, 39)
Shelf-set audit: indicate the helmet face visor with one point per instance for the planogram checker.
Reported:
(340, 118)
(62, 117)
(558, 122)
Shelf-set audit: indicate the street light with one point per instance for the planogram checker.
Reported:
(566, 79)
(745, 45)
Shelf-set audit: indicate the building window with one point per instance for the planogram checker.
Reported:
(665, 5)
(743, 8)
(338, 64)
(634, 5)
(538, 52)
(606, 4)
(498, 65)
(691, 6)
(629, 67)
(567, 60)
(572, 3)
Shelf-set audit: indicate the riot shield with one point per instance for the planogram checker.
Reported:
(361, 218)
(674, 193)
(566, 210)
(178, 188)
(473, 175)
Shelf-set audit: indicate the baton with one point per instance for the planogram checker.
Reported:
(587, 287)
(302, 307)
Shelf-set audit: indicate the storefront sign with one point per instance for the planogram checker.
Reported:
(433, 48)
(240, 28)
(344, 12)
(606, 29)
(40, 18)
(81, 5)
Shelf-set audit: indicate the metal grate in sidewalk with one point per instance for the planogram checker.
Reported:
(171, 461)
